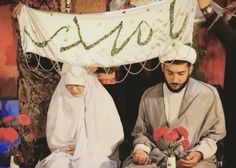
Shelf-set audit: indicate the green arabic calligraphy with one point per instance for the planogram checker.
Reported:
(45, 43)
(177, 34)
(115, 49)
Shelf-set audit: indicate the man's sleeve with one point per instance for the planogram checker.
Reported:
(141, 132)
(207, 145)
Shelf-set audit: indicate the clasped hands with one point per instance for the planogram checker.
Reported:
(70, 150)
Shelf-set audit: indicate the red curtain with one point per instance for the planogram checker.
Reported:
(8, 47)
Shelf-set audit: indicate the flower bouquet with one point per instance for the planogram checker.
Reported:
(172, 142)
(14, 130)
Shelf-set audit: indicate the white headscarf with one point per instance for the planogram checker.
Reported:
(89, 122)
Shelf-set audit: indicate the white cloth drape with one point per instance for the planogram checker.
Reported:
(110, 38)
(90, 123)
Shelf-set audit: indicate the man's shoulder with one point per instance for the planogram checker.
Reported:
(202, 87)
(153, 90)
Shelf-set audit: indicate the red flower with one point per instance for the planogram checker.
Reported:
(171, 136)
(31, 136)
(185, 143)
(10, 135)
(169, 140)
(160, 132)
(182, 132)
(1, 133)
(24, 119)
(8, 119)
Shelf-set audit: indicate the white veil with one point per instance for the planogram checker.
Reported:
(90, 122)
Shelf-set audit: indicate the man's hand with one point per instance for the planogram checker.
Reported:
(140, 157)
(192, 159)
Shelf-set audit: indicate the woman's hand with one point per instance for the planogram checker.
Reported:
(70, 150)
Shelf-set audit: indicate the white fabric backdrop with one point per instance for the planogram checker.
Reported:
(110, 38)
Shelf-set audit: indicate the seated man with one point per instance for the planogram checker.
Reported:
(83, 125)
(179, 101)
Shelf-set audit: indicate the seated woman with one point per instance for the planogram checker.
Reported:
(83, 125)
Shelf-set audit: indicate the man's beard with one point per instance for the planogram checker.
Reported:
(176, 90)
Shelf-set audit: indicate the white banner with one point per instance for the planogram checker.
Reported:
(110, 38)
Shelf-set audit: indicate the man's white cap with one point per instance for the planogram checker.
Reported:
(73, 74)
(180, 52)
